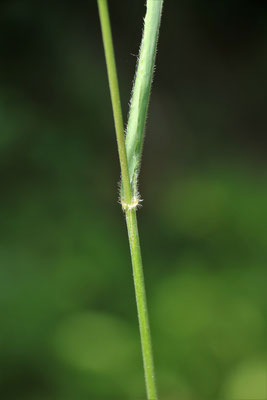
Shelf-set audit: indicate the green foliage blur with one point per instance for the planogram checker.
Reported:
(68, 317)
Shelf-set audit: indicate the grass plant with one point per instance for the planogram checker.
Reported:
(130, 151)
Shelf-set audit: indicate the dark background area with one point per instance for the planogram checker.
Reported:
(68, 317)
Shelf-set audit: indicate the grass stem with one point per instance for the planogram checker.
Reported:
(115, 95)
(129, 206)
(140, 295)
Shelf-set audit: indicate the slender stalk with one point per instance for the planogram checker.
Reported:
(129, 205)
(140, 295)
(115, 95)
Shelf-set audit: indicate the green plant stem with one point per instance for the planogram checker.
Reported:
(115, 95)
(130, 213)
(140, 295)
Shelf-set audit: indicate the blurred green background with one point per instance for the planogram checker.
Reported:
(68, 317)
